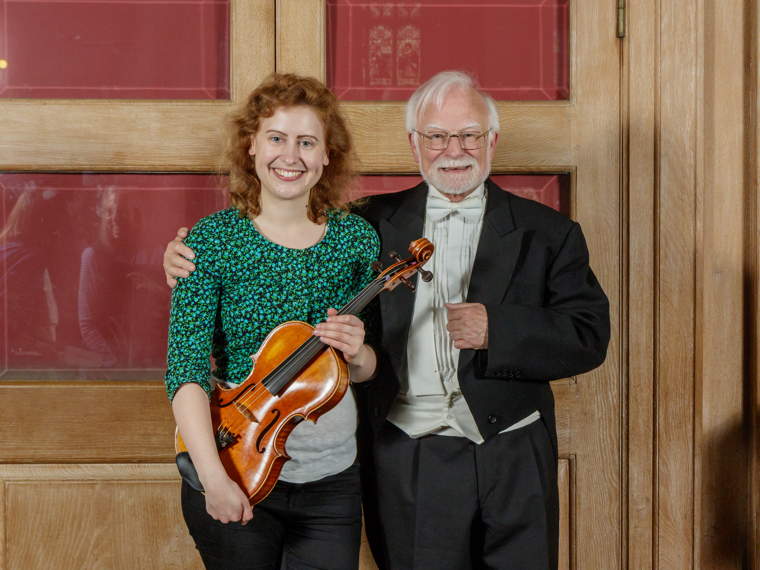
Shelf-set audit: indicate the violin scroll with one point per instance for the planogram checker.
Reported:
(421, 249)
(401, 271)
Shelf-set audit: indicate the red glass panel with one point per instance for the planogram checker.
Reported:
(114, 49)
(82, 292)
(550, 189)
(382, 50)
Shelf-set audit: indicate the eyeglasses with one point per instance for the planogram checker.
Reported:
(439, 140)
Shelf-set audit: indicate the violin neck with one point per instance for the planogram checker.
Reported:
(281, 376)
(358, 303)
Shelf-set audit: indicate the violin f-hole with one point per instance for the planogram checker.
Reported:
(259, 447)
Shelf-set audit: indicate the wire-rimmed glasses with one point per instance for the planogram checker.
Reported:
(439, 140)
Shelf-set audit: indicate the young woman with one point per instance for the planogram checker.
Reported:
(285, 250)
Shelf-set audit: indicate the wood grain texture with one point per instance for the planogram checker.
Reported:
(93, 516)
(595, 424)
(123, 422)
(676, 234)
(301, 43)
(85, 422)
(535, 136)
(640, 87)
(752, 109)
(252, 49)
(566, 514)
(721, 501)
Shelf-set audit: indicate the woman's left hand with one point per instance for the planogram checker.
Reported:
(343, 332)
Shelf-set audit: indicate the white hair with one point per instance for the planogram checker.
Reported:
(435, 89)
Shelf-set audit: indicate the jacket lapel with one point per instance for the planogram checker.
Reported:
(497, 254)
(397, 231)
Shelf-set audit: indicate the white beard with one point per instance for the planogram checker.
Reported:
(464, 183)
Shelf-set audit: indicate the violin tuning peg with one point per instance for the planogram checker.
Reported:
(408, 283)
(394, 255)
(377, 266)
(425, 275)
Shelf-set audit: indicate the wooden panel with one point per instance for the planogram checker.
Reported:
(676, 229)
(720, 508)
(752, 106)
(535, 136)
(640, 62)
(121, 135)
(595, 421)
(252, 55)
(86, 422)
(86, 516)
(301, 47)
(134, 421)
(566, 513)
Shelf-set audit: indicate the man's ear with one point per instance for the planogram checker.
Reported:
(494, 138)
(415, 150)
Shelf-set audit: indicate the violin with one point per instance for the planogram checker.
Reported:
(295, 376)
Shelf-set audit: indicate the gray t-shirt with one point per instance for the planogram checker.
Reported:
(323, 448)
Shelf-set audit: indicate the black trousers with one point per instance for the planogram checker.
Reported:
(307, 526)
(445, 503)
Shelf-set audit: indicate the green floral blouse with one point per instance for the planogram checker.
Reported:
(244, 286)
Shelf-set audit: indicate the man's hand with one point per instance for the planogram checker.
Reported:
(468, 325)
(176, 258)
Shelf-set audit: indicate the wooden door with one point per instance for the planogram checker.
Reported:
(560, 143)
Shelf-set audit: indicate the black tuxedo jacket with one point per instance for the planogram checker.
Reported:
(548, 317)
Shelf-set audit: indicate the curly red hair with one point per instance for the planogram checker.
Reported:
(287, 90)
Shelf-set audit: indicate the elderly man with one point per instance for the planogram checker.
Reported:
(460, 447)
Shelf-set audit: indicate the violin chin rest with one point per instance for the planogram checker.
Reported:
(187, 470)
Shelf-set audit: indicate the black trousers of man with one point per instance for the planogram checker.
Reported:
(445, 503)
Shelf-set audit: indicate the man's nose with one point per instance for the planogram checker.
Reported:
(455, 147)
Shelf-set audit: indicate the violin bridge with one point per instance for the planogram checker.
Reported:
(247, 413)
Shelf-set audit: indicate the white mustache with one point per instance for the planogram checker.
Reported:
(455, 163)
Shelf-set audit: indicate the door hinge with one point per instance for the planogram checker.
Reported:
(621, 18)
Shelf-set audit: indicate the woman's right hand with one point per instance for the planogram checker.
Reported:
(226, 501)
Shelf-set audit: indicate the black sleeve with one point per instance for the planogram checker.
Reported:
(568, 335)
